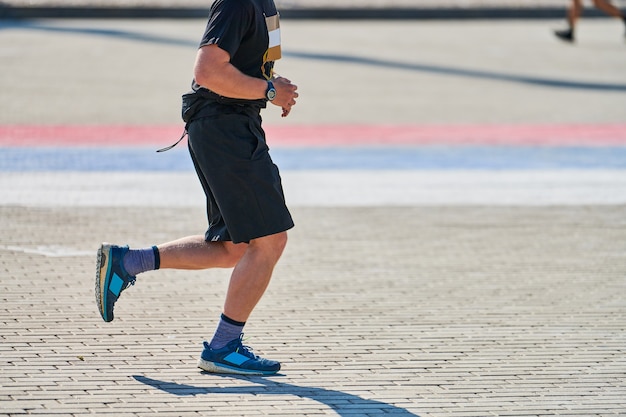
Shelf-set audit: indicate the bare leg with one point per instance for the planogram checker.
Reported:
(574, 12)
(608, 8)
(252, 275)
(253, 262)
(193, 252)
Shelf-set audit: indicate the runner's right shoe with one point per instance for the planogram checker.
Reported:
(111, 278)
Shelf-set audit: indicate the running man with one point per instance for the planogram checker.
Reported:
(247, 215)
(574, 12)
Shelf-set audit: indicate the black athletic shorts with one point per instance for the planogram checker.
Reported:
(243, 188)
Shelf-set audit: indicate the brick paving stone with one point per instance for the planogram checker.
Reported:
(477, 311)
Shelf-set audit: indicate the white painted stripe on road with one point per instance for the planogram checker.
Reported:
(325, 188)
(50, 251)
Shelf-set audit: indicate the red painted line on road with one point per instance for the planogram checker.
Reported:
(329, 135)
(87, 135)
(555, 135)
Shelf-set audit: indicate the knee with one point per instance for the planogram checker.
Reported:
(281, 241)
(278, 242)
(233, 253)
(272, 245)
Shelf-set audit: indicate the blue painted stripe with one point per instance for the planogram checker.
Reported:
(400, 158)
(93, 159)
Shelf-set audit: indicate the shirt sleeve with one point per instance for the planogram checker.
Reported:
(229, 22)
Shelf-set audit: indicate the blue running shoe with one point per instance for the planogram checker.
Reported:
(111, 278)
(235, 358)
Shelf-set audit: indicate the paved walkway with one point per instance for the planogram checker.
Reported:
(427, 291)
(436, 312)
(511, 72)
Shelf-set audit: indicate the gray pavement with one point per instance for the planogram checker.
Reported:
(405, 308)
(384, 72)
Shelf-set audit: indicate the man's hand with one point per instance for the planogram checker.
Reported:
(286, 94)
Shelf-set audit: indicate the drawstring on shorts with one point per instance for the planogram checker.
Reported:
(167, 148)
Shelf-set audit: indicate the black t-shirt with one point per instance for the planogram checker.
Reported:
(239, 28)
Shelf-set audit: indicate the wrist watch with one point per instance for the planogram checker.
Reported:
(270, 93)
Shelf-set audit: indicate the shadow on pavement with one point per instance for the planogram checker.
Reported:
(94, 31)
(459, 72)
(343, 403)
(357, 60)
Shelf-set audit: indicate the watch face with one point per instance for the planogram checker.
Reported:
(271, 94)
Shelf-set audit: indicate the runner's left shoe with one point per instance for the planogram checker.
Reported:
(565, 35)
(111, 278)
(235, 358)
